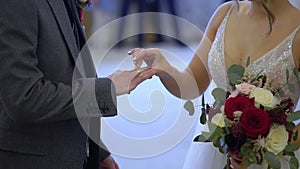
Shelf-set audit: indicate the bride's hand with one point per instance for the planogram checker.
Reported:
(236, 163)
(152, 57)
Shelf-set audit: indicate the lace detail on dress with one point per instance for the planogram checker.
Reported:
(274, 63)
(216, 60)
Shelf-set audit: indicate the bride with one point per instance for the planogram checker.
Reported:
(265, 30)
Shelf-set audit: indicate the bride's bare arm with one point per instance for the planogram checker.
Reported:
(194, 80)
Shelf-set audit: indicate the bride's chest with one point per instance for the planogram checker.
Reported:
(242, 40)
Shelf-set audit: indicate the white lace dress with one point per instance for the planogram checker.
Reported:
(274, 63)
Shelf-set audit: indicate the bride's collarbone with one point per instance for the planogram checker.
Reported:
(240, 44)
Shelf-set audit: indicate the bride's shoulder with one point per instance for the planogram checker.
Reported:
(296, 49)
(219, 15)
(296, 42)
(222, 10)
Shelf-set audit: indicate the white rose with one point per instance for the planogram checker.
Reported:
(219, 119)
(277, 139)
(83, 1)
(264, 97)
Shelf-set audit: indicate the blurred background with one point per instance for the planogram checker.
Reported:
(152, 130)
(103, 12)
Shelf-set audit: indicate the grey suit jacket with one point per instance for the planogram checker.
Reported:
(42, 93)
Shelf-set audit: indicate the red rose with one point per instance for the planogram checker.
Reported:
(255, 122)
(238, 103)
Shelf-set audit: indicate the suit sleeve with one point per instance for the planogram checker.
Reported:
(25, 94)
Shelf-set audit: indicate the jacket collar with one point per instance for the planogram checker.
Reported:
(62, 17)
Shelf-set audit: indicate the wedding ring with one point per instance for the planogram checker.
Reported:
(139, 71)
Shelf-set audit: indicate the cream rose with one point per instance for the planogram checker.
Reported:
(277, 139)
(245, 88)
(264, 97)
(83, 1)
(219, 119)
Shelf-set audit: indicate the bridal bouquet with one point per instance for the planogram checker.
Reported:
(252, 122)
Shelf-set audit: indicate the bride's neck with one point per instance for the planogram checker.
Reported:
(275, 6)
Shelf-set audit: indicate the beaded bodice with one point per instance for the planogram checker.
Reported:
(274, 63)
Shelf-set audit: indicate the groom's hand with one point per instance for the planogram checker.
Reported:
(126, 81)
(108, 163)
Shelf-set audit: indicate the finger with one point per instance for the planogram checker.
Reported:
(132, 51)
(148, 73)
(137, 57)
(139, 78)
(141, 70)
(138, 61)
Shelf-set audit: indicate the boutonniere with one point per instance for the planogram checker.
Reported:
(84, 3)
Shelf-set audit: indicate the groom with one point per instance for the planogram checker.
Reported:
(40, 85)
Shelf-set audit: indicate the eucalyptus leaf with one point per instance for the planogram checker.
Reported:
(296, 72)
(215, 132)
(203, 119)
(287, 73)
(200, 138)
(293, 116)
(219, 95)
(294, 163)
(235, 73)
(273, 160)
(234, 78)
(216, 141)
(295, 135)
(203, 101)
(290, 126)
(291, 154)
(189, 106)
(248, 61)
(281, 92)
(291, 148)
(291, 87)
(221, 150)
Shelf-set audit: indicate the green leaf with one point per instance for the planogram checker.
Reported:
(291, 87)
(293, 116)
(281, 92)
(215, 132)
(248, 61)
(296, 72)
(219, 143)
(189, 106)
(219, 95)
(289, 153)
(200, 138)
(203, 101)
(235, 73)
(203, 119)
(294, 163)
(216, 141)
(295, 135)
(291, 148)
(249, 157)
(273, 160)
(290, 126)
(287, 73)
